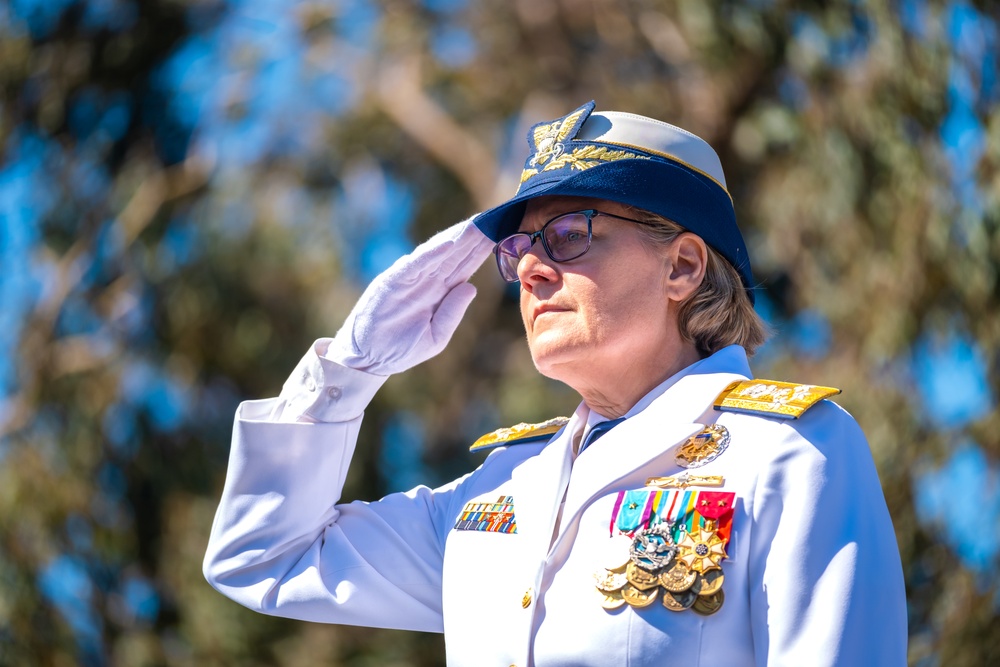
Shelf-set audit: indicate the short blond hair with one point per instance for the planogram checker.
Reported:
(719, 313)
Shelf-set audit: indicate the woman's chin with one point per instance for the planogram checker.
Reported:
(558, 362)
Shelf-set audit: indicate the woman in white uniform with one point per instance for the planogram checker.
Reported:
(685, 514)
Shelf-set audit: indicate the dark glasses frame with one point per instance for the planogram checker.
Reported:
(508, 270)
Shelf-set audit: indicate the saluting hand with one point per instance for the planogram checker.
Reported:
(409, 312)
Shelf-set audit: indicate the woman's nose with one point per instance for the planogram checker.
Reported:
(535, 267)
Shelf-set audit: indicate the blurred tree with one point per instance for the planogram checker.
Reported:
(193, 190)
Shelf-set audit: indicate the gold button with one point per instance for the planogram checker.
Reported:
(526, 600)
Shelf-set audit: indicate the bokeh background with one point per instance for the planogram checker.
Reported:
(191, 191)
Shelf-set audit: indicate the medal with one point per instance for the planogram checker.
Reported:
(611, 601)
(653, 549)
(703, 447)
(709, 604)
(631, 511)
(640, 598)
(668, 541)
(609, 582)
(679, 601)
(678, 578)
(701, 550)
(711, 582)
(640, 578)
(714, 505)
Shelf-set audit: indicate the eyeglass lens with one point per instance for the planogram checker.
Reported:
(564, 238)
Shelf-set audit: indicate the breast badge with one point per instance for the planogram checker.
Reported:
(666, 545)
(703, 447)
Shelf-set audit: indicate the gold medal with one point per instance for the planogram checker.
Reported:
(701, 550)
(612, 600)
(609, 582)
(704, 447)
(708, 605)
(678, 578)
(711, 582)
(640, 578)
(639, 598)
(679, 601)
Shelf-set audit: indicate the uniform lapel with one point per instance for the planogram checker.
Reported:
(539, 483)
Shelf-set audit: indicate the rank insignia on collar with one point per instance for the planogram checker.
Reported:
(486, 517)
(770, 398)
(702, 448)
(519, 434)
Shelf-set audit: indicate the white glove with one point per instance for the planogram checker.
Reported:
(409, 312)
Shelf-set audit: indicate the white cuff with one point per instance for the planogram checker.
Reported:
(321, 390)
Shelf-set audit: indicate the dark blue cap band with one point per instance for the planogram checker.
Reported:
(673, 191)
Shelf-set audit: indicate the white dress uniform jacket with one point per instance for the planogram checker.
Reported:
(812, 577)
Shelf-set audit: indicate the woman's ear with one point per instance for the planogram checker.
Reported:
(687, 258)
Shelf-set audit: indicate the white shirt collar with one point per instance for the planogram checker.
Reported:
(731, 359)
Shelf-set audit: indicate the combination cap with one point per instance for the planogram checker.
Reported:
(632, 160)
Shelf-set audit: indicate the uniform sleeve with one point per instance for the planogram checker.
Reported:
(282, 545)
(825, 574)
(321, 390)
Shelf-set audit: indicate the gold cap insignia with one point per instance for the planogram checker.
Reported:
(547, 138)
(553, 147)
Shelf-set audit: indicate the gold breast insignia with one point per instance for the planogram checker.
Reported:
(704, 447)
(685, 480)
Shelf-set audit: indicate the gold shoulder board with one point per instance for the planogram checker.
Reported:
(785, 400)
(519, 434)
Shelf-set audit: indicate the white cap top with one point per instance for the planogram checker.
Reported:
(653, 136)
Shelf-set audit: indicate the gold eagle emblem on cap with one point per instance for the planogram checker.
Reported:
(549, 138)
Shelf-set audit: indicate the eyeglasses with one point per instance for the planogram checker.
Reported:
(564, 238)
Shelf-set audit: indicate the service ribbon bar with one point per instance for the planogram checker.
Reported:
(497, 517)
